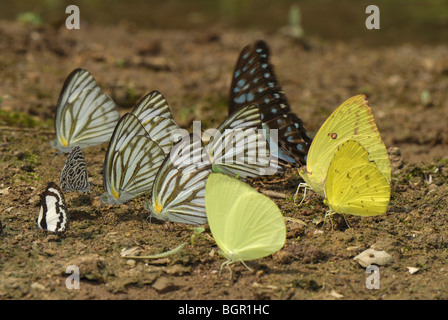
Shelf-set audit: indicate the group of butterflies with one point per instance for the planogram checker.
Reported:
(346, 162)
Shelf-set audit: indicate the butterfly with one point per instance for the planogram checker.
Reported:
(245, 224)
(85, 115)
(53, 214)
(74, 175)
(178, 192)
(131, 162)
(238, 146)
(254, 82)
(352, 120)
(354, 184)
(155, 115)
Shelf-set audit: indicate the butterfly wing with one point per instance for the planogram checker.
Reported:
(245, 224)
(254, 82)
(131, 162)
(85, 115)
(179, 187)
(353, 120)
(354, 184)
(74, 175)
(155, 115)
(53, 214)
(239, 148)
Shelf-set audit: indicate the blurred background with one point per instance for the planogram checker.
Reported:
(416, 21)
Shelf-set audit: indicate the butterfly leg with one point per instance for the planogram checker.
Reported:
(305, 187)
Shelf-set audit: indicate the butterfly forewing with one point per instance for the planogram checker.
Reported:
(131, 163)
(239, 147)
(155, 115)
(74, 175)
(53, 214)
(178, 193)
(254, 82)
(85, 115)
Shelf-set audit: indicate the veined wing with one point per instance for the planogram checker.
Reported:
(239, 147)
(85, 115)
(131, 162)
(178, 194)
(155, 115)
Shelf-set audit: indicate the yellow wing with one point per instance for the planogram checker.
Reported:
(355, 185)
(353, 120)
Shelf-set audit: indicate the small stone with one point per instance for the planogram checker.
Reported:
(164, 285)
(37, 286)
(371, 256)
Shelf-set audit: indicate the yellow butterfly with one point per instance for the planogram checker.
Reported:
(353, 120)
(354, 184)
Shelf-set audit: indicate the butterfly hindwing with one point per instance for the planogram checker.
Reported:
(74, 175)
(53, 214)
(178, 194)
(239, 147)
(254, 82)
(354, 184)
(245, 224)
(85, 115)
(131, 162)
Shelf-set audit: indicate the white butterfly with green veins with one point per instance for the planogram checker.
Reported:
(131, 163)
(238, 147)
(178, 193)
(85, 115)
(245, 224)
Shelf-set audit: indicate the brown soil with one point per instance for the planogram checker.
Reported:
(193, 70)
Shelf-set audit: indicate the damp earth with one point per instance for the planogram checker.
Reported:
(406, 85)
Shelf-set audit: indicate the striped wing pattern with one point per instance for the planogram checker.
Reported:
(131, 162)
(155, 115)
(178, 194)
(74, 175)
(239, 148)
(85, 115)
(53, 214)
(254, 82)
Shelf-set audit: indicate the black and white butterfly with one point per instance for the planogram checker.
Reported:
(131, 163)
(178, 193)
(85, 115)
(238, 146)
(53, 214)
(254, 82)
(74, 175)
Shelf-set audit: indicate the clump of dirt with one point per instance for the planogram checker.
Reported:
(193, 71)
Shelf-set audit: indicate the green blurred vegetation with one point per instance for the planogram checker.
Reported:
(423, 21)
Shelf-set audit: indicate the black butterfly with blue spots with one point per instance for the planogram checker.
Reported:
(254, 82)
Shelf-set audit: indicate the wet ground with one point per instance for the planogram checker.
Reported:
(406, 86)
